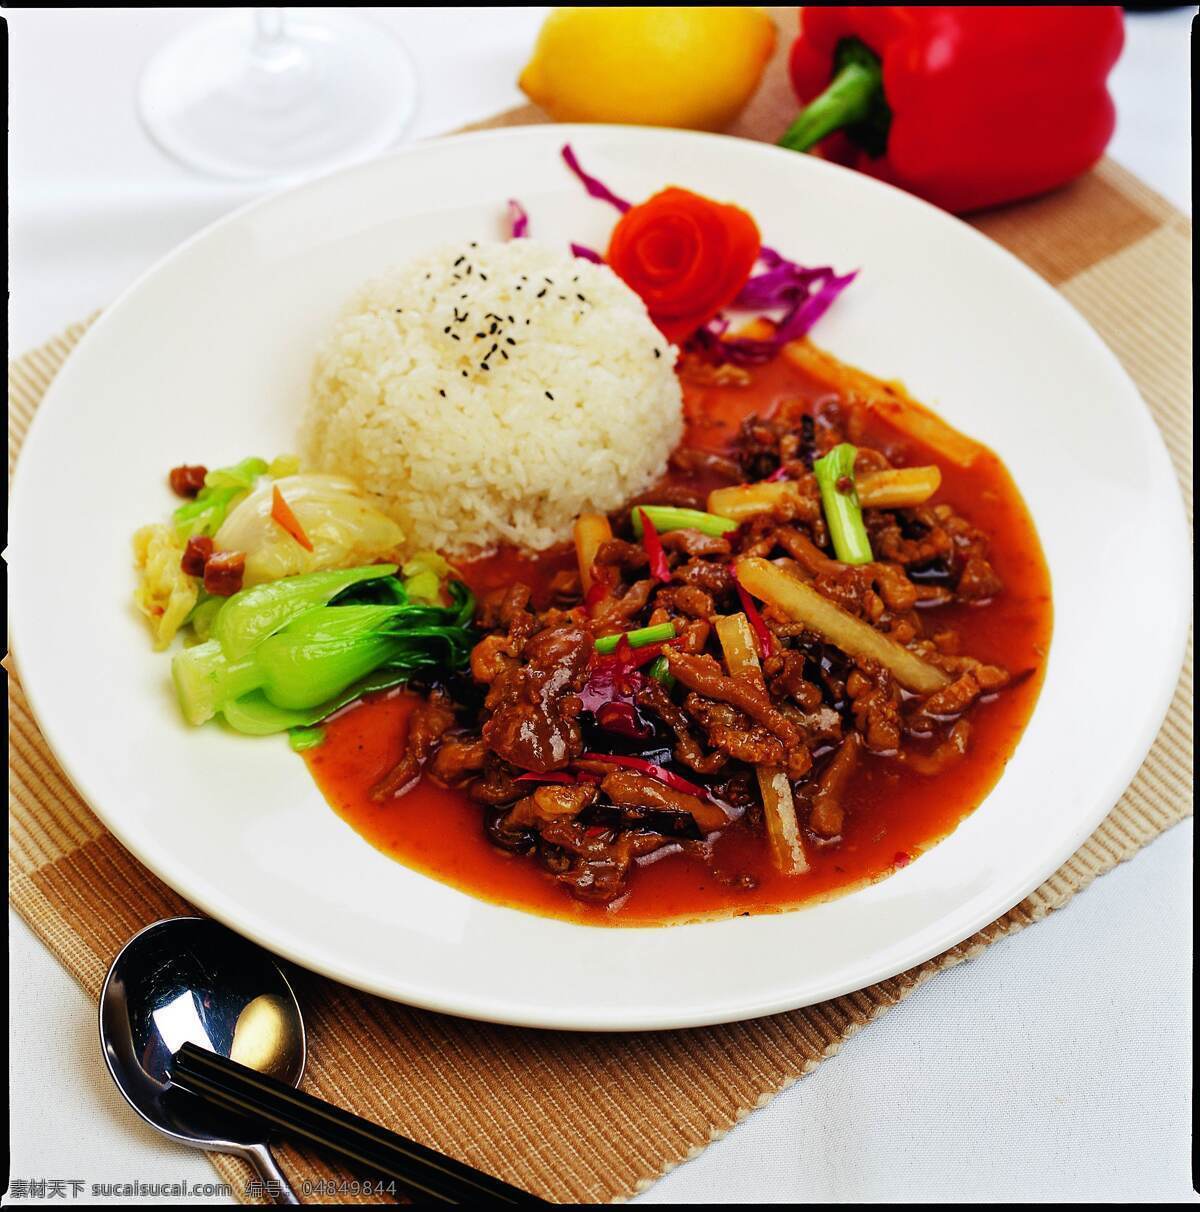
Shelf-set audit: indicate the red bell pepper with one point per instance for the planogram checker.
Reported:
(660, 570)
(654, 770)
(763, 638)
(966, 106)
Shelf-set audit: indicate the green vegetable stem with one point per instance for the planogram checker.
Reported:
(843, 513)
(637, 639)
(668, 517)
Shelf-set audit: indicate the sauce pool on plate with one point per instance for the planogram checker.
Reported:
(892, 811)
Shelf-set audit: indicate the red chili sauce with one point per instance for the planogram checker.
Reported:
(893, 813)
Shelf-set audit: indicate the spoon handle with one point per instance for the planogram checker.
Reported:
(422, 1172)
(267, 1168)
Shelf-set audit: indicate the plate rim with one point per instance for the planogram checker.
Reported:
(1003, 898)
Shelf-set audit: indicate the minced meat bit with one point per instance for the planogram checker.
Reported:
(223, 573)
(187, 479)
(196, 555)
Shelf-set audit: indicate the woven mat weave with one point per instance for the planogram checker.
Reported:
(593, 1117)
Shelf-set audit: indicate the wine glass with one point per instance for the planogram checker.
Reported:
(262, 93)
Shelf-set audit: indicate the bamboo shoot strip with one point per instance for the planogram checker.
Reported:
(591, 530)
(918, 422)
(886, 400)
(804, 604)
(898, 487)
(895, 488)
(779, 809)
(741, 501)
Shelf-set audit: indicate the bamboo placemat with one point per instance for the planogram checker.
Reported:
(594, 1117)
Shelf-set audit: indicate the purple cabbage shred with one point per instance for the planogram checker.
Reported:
(595, 187)
(588, 254)
(801, 294)
(518, 220)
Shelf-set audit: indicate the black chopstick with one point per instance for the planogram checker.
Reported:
(423, 1172)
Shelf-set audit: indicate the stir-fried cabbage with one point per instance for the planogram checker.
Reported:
(223, 488)
(345, 529)
(165, 593)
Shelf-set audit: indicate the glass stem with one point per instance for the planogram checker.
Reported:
(269, 29)
(277, 61)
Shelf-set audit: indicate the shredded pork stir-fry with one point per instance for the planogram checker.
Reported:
(714, 664)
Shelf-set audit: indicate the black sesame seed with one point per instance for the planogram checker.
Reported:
(504, 355)
(541, 292)
(484, 366)
(460, 260)
(446, 329)
(509, 341)
(549, 396)
(658, 353)
(442, 392)
(483, 275)
(455, 337)
(481, 334)
(581, 298)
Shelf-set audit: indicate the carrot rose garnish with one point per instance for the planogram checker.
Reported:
(685, 255)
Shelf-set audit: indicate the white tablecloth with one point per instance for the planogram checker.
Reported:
(1055, 1066)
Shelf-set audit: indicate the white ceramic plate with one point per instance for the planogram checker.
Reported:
(207, 358)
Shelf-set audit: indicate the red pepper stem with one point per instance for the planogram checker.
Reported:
(848, 99)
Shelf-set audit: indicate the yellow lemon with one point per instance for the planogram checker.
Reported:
(691, 67)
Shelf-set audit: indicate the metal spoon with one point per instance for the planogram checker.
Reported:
(190, 979)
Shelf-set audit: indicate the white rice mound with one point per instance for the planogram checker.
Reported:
(577, 409)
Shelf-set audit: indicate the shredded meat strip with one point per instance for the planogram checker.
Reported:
(875, 701)
(828, 815)
(688, 750)
(428, 723)
(534, 706)
(946, 754)
(628, 789)
(550, 802)
(455, 759)
(688, 458)
(597, 864)
(703, 674)
(729, 730)
(696, 545)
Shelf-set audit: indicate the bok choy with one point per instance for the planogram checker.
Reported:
(288, 653)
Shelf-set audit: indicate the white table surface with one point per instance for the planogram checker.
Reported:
(1055, 1066)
